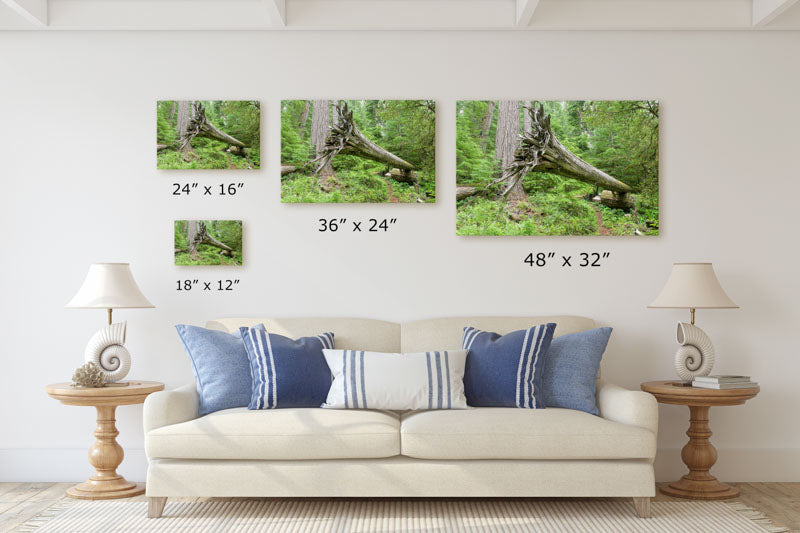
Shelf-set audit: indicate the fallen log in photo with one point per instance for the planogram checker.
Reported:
(200, 126)
(466, 192)
(541, 151)
(346, 138)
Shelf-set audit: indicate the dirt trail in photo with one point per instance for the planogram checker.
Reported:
(392, 198)
(599, 216)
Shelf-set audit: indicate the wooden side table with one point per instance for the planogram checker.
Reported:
(106, 454)
(698, 454)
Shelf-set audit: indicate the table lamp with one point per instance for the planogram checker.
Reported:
(693, 286)
(109, 286)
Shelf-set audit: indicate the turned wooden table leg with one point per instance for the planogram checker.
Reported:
(699, 455)
(105, 455)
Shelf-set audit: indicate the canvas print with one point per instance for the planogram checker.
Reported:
(358, 151)
(208, 242)
(586, 167)
(208, 134)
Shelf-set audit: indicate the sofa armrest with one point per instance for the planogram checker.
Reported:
(632, 407)
(169, 407)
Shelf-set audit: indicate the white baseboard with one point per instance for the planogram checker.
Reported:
(737, 464)
(72, 465)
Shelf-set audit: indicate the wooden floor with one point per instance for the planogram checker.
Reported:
(21, 501)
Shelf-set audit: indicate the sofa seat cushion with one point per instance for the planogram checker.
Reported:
(280, 434)
(509, 433)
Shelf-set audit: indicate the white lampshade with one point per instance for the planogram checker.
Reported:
(109, 286)
(693, 286)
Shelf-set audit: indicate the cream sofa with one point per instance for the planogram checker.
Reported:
(481, 452)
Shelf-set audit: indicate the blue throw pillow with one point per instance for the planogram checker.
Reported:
(506, 371)
(220, 365)
(286, 372)
(571, 369)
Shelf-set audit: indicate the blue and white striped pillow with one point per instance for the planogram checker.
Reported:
(286, 372)
(376, 380)
(506, 371)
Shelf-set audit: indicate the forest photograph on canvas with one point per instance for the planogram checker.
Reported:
(358, 151)
(208, 134)
(208, 242)
(583, 167)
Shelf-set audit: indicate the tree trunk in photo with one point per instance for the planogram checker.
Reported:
(526, 119)
(304, 119)
(486, 126)
(172, 111)
(507, 142)
(320, 126)
(184, 118)
(194, 237)
(197, 234)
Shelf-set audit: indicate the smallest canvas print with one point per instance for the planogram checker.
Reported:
(208, 242)
(208, 134)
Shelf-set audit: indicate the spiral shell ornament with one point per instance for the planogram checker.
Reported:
(106, 350)
(695, 357)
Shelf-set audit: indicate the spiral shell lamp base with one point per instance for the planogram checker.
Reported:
(106, 349)
(695, 357)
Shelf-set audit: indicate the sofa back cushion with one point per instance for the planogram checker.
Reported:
(416, 336)
(351, 333)
(446, 333)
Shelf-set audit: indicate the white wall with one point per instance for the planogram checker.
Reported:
(79, 185)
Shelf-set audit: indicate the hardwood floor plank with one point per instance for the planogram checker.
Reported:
(40, 496)
(780, 504)
(23, 491)
(5, 487)
(772, 501)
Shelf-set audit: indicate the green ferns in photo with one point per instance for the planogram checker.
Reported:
(358, 151)
(208, 242)
(557, 168)
(208, 134)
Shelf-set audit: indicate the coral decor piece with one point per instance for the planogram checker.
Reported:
(89, 375)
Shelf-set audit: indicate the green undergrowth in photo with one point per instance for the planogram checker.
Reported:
(209, 154)
(556, 206)
(209, 256)
(353, 186)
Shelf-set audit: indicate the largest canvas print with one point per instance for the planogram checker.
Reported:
(358, 151)
(584, 167)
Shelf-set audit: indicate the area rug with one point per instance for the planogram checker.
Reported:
(565, 516)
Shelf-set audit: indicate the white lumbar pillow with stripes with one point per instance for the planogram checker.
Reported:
(396, 381)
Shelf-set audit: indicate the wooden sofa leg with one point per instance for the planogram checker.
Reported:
(642, 506)
(155, 506)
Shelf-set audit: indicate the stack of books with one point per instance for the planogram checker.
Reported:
(723, 382)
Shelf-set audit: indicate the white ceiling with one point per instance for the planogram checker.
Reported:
(399, 14)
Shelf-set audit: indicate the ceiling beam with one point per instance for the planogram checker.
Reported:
(525, 9)
(34, 11)
(277, 10)
(765, 11)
